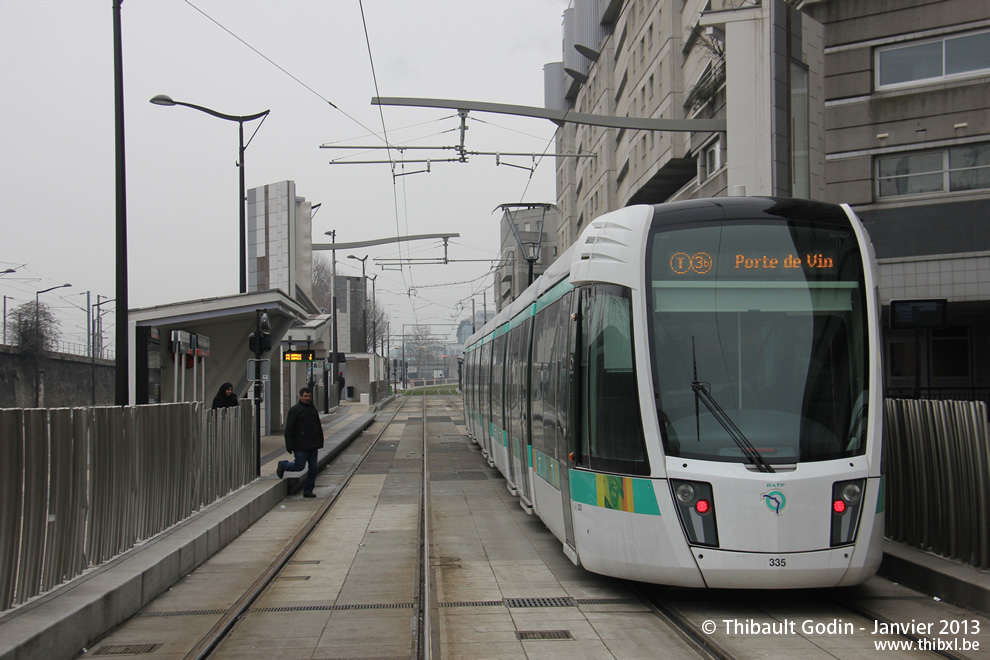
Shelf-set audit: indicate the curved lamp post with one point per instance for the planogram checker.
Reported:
(37, 341)
(162, 99)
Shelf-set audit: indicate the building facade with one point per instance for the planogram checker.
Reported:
(881, 105)
(279, 240)
(907, 107)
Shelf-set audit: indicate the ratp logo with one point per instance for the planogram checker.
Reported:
(775, 501)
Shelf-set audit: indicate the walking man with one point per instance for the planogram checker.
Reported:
(304, 438)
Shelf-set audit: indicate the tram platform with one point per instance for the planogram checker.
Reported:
(61, 623)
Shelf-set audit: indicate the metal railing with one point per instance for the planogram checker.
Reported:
(941, 393)
(80, 486)
(937, 465)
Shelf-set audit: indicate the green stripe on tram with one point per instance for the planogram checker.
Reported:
(554, 294)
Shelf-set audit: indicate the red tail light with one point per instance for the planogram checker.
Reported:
(702, 506)
(839, 506)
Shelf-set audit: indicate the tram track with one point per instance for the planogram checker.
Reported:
(229, 620)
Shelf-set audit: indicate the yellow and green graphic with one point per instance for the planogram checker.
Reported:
(614, 492)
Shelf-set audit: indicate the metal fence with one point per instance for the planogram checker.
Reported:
(79, 486)
(937, 459)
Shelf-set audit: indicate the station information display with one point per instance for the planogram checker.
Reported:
(298, 356)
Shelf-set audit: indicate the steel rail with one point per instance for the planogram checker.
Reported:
(681, 624)
(208, 643)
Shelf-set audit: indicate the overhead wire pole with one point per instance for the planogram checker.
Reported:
(121, 367)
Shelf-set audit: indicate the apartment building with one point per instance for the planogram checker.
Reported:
(882, 105)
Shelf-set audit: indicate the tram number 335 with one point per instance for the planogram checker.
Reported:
(778, 562)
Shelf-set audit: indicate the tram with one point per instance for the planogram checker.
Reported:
(691, 395)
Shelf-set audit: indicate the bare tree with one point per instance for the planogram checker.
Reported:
(34, 329)
(426, 350)
(379, 324)
(321, 281)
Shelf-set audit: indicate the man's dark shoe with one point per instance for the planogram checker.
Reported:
(309, 494)
(280, 470)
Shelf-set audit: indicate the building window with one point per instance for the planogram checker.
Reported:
(955, 169)
(709, 161)
(933, 60)
(800, 133)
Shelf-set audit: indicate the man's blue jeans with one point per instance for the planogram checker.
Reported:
(304, 457)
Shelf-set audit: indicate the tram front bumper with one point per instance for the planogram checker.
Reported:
(790, 570)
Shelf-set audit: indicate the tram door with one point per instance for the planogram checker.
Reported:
(516, 399)
(565, 372)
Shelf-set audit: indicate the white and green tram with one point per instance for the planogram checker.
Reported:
(691, 395)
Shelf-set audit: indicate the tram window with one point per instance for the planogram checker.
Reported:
(781, 348)
(611, 432)
(543, 332)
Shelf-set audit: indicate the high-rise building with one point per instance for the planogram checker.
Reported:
(279, 240)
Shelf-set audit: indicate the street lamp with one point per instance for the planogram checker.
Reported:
(364, 295)
(263, 328)
(162, 99)
(374, 315)
(37, 341)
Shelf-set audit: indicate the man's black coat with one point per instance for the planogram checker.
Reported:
(302, 428)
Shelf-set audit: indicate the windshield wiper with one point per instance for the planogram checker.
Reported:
(702, 394)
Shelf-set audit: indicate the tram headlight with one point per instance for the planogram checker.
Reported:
(847, 504)
(696, 510)
(685, 493)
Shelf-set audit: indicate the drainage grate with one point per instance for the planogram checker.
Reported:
(126, 649)
(293, 577)
(375, 606)
(471, 475)
(305, 561)
(609, 601)
(317, 608)
(543, 634)
(295, 608)
(146, 615)
(566, 601)
(474, 603)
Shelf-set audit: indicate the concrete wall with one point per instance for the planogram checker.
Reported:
(67, 380)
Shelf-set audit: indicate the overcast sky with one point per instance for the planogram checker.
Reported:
(57, 139)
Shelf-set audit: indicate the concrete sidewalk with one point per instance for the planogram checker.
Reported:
(62, 622)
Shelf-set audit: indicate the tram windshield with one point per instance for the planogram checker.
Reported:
(767, 319)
